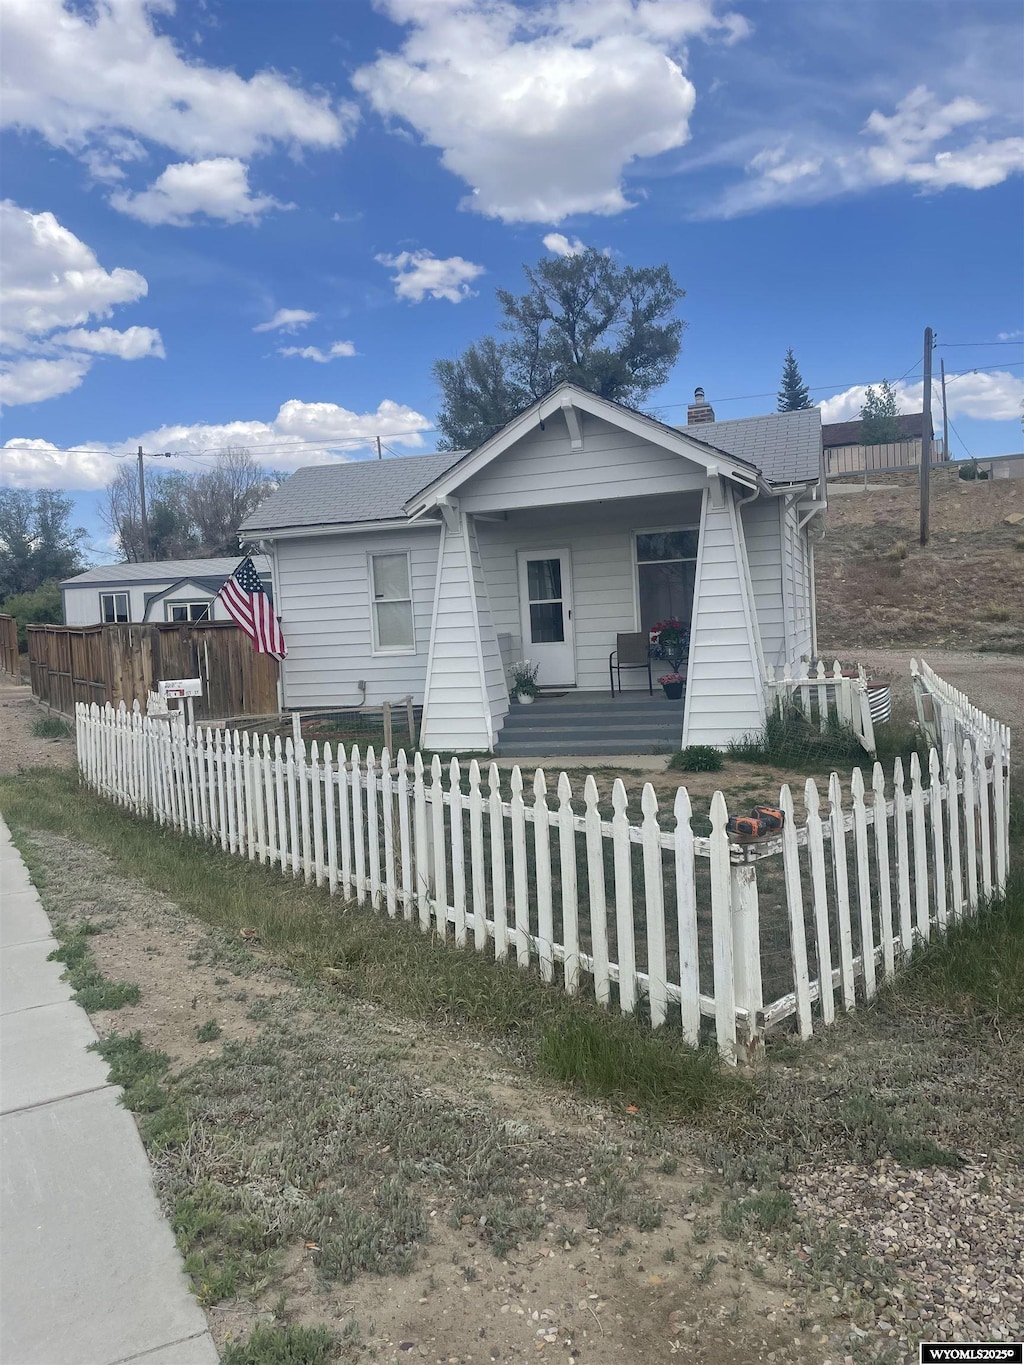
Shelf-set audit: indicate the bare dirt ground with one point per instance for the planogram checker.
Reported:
(19, 748)
(964, 590)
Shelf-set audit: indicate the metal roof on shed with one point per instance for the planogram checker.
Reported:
(165, 570)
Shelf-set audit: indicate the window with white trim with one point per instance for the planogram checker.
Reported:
(391, 592)
(113, 607)
(188, 611)
(666, 567)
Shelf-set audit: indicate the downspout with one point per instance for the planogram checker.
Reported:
(270, 547)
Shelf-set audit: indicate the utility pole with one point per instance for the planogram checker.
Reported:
(380, 454)
(926, 434)
(142, 508)
(945, 415)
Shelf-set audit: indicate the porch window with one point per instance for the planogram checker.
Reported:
(188, 611)
(666, 567)
(113, 607)
(390, 585)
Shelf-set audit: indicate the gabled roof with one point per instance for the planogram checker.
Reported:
(205, 583)
(571, 399)
(784, 446)
(164, 571)
(349, 492)
(848, 433)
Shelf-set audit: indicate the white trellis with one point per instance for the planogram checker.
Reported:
(645, 912)
(825, 695)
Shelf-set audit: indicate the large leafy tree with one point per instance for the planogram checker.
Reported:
(794, 395)
(606, 327)
(37, 540)
(880, 416)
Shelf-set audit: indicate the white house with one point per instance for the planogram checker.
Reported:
(578, 520)
(158, 590)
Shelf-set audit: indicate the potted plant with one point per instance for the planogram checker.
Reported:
(673, 683)
(524, 681)
(670, 640)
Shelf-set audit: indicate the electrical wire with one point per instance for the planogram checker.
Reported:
(342, 442)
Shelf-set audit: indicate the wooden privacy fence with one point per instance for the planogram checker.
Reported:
(118, 664)
(825, 696)
(9, 645)
(697, 929)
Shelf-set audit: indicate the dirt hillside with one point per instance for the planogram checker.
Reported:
(965, 590)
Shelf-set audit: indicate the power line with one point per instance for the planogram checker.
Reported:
(951, 345)
(283, 446)
(962, 442)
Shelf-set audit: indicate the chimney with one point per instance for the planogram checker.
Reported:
(699, 410)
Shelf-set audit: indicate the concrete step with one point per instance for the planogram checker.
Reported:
(624, 733)
(583, 747)
(596, 713)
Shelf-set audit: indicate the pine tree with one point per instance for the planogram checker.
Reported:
(794, 395)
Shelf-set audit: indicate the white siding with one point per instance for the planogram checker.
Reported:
(456, 714)
(762, 529)
(796, 585)
(323, 597)
(600, 541)
(541, 470)
(82, 605)
(494, 667)
(724, 692)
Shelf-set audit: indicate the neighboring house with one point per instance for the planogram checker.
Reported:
(579, 519)
(844, 453)
(158, 590)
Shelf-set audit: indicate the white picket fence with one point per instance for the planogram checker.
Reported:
(692, 926)
(824, 696)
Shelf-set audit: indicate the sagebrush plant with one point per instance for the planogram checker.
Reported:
(698, 758)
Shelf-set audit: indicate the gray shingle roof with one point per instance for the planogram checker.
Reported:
(351, 491)
(785, 446)
(165, 570)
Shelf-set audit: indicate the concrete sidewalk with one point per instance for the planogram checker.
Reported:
(89, 1271)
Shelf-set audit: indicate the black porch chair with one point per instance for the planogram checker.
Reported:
(632, 650)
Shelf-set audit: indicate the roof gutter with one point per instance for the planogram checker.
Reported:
(328, 529)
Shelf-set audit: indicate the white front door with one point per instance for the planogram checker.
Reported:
(545, 604)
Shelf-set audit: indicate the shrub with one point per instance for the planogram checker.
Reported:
(51, 727)
(900, 550)
(698, 758)
(42, 607)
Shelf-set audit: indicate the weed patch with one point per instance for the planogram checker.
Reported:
(51, 727)
(92, 990)
(288, 1345)
(697, 758)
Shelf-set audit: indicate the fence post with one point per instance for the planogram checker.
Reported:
(746, 956)
(722, 930)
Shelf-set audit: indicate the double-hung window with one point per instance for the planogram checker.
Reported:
(188, 611)
(666, 568)
(113, 607)
(391, 592)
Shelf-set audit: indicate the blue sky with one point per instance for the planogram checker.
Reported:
(258, 223)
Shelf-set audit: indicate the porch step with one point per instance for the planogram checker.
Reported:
(592, 723)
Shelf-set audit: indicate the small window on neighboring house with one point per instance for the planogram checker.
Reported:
(390, 586)
(188, 611)
(113, 607)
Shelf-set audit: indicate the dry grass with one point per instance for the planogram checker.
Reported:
(877, 586)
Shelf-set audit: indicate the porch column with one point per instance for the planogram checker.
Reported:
(724, 686)
(457, 711)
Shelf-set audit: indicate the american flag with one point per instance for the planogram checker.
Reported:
(250, 607)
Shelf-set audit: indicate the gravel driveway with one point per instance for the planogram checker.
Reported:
(994, 682)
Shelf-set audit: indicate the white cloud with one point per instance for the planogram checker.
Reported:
(905, 147)
(340, 348)
(217, 188)
(33, 380)
(562, 246)
(300, 434)
(286, 320)
(541, 109)
(134, 343)
(1009, 336)
(50, 280)
(987, 396)
(95, 80)
(419, 273)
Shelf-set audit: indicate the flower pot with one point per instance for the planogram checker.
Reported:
(524, 698)
(673, 691)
